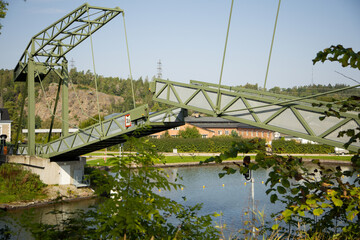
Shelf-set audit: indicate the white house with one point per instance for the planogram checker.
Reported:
(5, 123)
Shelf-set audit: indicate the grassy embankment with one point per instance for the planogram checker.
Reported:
(192, 159)
(17, 184)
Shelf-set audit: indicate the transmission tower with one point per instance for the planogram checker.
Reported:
(72, 63)
(159, 75)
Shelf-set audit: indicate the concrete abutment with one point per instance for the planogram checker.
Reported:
(51, 173)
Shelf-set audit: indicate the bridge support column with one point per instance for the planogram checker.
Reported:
(65, 99)
(31, 107)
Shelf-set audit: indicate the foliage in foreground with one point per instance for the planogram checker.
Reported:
(323, 203)
(134, 209)
(17, 184)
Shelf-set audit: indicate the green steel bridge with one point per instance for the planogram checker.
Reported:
(47, 51)
(137, 122)
(276, 112)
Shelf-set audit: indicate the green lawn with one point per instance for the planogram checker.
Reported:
(186, 159)
(101, 162)
(330, 157)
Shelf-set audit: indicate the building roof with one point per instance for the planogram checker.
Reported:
(4, 114)
(215, 122)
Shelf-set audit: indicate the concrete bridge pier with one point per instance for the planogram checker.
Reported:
(51, 173)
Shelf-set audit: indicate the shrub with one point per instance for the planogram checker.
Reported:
(282, 146)
(17, 184)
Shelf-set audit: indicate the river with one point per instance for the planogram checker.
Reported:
(230, 196)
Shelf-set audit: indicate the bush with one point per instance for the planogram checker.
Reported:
(215, 144)
(282, 146)
(17, 184)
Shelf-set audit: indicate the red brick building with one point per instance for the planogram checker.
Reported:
(211, 126)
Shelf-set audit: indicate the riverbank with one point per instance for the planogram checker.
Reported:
(193, 159)
(54, 194)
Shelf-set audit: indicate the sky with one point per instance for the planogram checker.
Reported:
(189, 36)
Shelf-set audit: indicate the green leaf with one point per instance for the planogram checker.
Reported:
(281, 190)
(295, 190)
(310, 201)
(285, 183)
(318, 211)
(336, 201)
(287, 213)
(217, 214)
(326, 205)
(269, 191)
(273, 198)
(275, 227)
(351, 215)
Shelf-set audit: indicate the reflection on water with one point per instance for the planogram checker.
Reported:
(42, 214)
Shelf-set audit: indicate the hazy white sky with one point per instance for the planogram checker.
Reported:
(189, 35)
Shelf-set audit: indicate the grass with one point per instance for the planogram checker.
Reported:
(331, 157)
(17, 184)
(188, 159)
(168, 159)
(101, 162)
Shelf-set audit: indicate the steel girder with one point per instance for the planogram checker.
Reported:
(275, 112)
(137, 122)
(50, 45)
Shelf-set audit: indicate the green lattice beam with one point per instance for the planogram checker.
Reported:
(137, 122)
(50, 45)
(275, 112)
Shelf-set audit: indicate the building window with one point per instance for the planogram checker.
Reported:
(226, 132)
(204, 135)
(219, 132)
(175, 136)
(176, 128)
(0, 129)
(153, 136)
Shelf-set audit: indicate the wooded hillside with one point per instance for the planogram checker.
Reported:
(114, 96)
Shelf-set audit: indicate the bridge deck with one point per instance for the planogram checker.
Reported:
(137, 122)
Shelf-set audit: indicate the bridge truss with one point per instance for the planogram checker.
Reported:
(46, 52)
(137, 122)
(285, 114)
